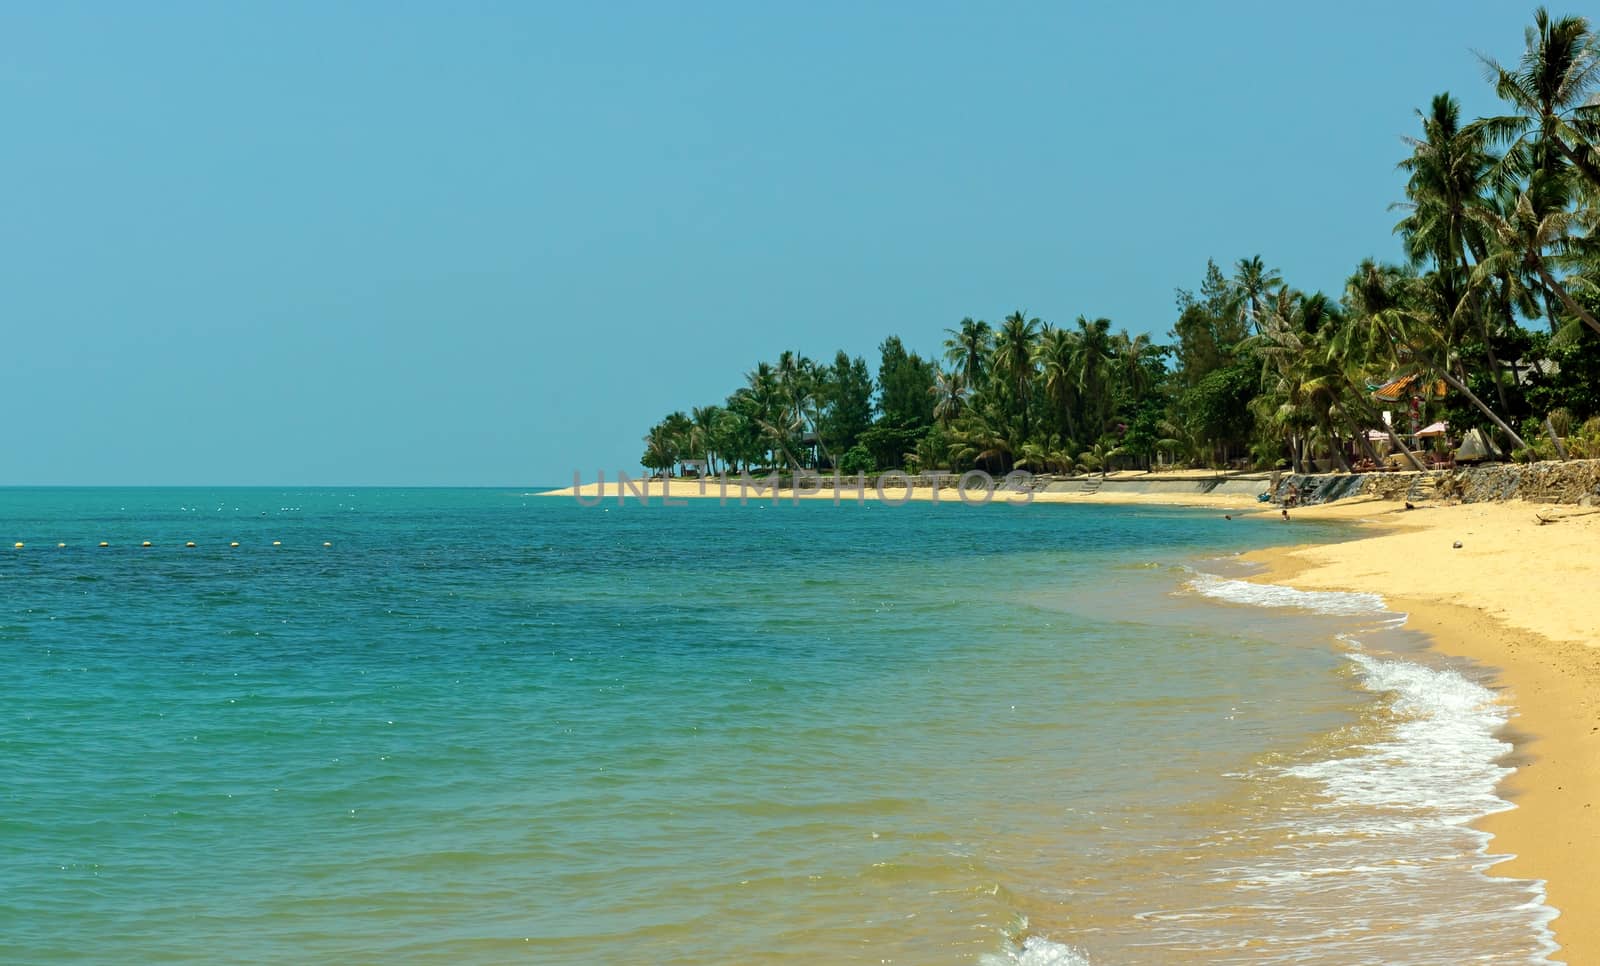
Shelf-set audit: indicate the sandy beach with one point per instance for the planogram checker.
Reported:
(1518, 596)
(713, 488)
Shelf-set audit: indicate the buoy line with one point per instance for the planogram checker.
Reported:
(144, 544)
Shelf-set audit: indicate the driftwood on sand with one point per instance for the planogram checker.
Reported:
(1556, 516)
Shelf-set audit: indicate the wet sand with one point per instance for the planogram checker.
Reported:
(1524, 599)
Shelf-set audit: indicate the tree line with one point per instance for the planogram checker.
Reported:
(1491, 322)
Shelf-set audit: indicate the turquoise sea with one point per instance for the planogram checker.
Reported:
(479, 726)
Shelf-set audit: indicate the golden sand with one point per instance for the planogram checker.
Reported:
(1524, 599)
(713, 488)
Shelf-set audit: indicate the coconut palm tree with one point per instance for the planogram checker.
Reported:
(780, 432)
(1360, 348)
(1133, 360)
(737, 440)
(950, 393)
(968, 350)
(1300, 396)
(1407, 338)
(1013, 362)
(1252, 280)
(1551, 94)
(660, 450)
(1057, 357)
(1451, 198)
(983, 437)
(681, 430)
(1093, 364)
(1415, 348)
(1098, 457)
(1528, 239)
(1448, 179)
(761, 403)
(704, 433)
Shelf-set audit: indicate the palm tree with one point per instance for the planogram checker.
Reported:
(1039, 456)
(736, 440)
(780, 431)
(1057, 356)
(1550, 91)
(1013, 361)
(1301, 390)
(1452, 195)
(1132, 359)
(968, 349)
(1415, 348)
(761, 402)
(1524, 240)
(1098, 457)
(1358, 348)
(1410, 340)
(1448, 180)
(983, 437)
(660, 452)
(705, 419)
(949, 391)
(680, 429)
(1252, 280)
(1093, 364)
(795, 376)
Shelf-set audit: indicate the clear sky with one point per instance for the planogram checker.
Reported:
(393, 243)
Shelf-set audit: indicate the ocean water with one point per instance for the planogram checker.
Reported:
(475, 726)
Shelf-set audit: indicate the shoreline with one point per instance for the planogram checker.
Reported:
(1514, 600)
(1185, 494)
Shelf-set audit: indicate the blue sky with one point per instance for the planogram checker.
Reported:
(491, 243)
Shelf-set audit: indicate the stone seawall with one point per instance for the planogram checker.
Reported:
(1573, 481)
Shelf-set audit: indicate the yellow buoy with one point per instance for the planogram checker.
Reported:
(189, 544)
(61, 545)
(234, 544)
(145, 544)
(326, 544)
(104, 544)
(277, 543)
(18, 544)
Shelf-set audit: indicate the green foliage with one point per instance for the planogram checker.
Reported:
(888, 444)
(1144, 431)
(905, 383)
(1583, 442)
(933, 450)
(1499, 230)
(848, 394)
(1218, 407)
(1567, 375)
(857, 460)
(1209, 328)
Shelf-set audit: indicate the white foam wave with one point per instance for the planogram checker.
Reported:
(1415, 789)
(1037, 951)
(1277, 595)
(1392, 821)
(1442, 755)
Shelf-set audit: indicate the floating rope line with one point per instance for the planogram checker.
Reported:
(62, 545)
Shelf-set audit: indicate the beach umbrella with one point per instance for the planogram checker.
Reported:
(1436, 429)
